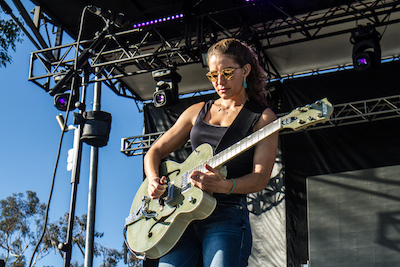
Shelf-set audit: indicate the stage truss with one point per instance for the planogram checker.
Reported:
(343, 114)
(117, 61)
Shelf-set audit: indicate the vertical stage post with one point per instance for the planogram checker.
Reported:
(94, 157)
(76, 167)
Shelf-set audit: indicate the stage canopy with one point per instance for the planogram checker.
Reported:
(290, 36)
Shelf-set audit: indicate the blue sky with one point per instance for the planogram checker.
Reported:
(29, 136)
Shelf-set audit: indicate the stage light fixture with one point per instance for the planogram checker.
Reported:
(166, 93)
(61, 98)
(366, 50)
(156, 21)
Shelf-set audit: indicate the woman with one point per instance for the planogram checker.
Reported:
(224, 238)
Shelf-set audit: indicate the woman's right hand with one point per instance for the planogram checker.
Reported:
(156, 187)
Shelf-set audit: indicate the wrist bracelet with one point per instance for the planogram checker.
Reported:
(233, 187)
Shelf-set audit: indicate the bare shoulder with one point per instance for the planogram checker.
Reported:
(196, 107)
(267, 117)
(178, 134)
(190, 114)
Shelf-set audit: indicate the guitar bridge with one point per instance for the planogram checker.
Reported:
(141, 212)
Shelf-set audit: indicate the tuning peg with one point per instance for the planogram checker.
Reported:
(303, 109)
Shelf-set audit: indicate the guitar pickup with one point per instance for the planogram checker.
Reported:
(170, 194)
(185, 185)
(174, 196)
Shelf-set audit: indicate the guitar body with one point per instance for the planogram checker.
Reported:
(155, 236)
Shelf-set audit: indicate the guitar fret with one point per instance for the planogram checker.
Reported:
(215, 163)
(185, 181)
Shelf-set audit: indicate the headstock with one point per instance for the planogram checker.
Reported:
(311, 114)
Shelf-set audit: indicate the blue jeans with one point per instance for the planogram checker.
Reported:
(223, 239)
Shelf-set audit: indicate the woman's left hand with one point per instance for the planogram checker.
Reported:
(211, 181)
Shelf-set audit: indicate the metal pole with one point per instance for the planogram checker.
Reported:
(67, 246)
(94, 158)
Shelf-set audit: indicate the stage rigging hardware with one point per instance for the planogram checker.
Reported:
(120, 64)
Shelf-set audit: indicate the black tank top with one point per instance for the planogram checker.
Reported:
(203, 132)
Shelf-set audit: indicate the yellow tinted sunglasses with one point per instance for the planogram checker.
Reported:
(228, 74)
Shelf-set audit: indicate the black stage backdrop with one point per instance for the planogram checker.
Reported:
(354, 218)
(333, 150)
(316, 152)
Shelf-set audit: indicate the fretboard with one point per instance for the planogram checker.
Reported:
(244, 144)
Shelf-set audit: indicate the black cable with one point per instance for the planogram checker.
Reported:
(60, 143)
(136, 255)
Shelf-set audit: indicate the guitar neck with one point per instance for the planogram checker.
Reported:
(299, 118)
(244, 144)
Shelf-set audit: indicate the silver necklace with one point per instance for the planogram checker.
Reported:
(227, 112)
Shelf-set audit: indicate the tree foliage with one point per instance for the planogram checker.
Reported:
(21, 223)
(9, 36)
(58, 231)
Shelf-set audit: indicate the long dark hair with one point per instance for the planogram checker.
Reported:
(242, 54)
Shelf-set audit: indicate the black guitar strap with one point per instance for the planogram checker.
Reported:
(241, 126)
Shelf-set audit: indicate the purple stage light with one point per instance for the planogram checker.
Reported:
(151, 22)
(362, 61)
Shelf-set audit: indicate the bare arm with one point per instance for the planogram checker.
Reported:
(170, 141)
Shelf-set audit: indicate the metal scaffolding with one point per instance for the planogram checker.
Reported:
(150, 50)
(343, 114)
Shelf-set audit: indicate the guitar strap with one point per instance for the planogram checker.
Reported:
(241, 126)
